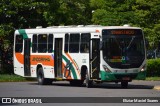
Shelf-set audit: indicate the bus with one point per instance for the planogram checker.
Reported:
(78, 54)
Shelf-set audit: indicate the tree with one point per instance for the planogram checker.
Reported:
(112, 12)
(147, 14)
(68, 12)
(16, 14)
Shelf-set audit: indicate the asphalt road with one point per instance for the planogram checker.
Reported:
(63, 89)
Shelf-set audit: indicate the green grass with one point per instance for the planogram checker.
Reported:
(153, 78)
(13, 78)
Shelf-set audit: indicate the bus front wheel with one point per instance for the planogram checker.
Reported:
(124, 84)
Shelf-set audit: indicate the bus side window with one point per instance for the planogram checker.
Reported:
(34, 43)
(19, 44)
(74, 43)
(50, 43)
(66, 43)
(84, 46)
(42, 43)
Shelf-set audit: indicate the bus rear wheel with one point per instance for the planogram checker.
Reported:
(124, 84)
(89, 83)
(41, 79)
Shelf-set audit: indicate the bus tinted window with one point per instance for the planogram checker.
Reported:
(42, 43)
(50, 43)
(84, 47)
(74, 43)
(19, 44)
(66, 42)
(34, 44)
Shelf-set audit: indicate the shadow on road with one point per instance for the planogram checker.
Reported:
(101, 86)
(118, 86)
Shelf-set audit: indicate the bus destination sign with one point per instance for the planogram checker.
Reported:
(123, 32)
(131, 32)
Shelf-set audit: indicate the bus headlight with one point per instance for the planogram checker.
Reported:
(106, 68)
(143, 68)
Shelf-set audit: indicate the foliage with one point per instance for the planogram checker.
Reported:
(68, 12)
(153, 67)
(117, 12)
(16, 14)
(141, 13)
(148, 16)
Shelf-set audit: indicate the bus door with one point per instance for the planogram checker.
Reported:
(27, 44)
(94, 57)
(58, 57)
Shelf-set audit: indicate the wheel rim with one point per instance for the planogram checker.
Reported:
(40, 78)
(87, 80)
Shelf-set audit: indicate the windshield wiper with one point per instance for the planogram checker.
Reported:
(130, 42)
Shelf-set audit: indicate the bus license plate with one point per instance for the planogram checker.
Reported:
(126, 78)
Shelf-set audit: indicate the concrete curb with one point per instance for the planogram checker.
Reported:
(157, 87)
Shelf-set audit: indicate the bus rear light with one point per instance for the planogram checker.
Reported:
(106, 68)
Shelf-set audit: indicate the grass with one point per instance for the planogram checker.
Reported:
(153, 78)
(13, 78)
(16, 78)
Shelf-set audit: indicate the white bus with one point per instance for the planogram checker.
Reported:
(78, 53)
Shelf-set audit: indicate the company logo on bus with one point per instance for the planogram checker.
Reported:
(40, 59)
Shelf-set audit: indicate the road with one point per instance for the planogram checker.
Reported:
(63, 89)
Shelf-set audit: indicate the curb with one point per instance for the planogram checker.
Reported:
(157, 87)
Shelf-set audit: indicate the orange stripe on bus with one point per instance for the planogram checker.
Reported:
(63, 68)
(35, 59)
(20, 57)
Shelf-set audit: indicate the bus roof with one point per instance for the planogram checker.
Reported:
(72, 29)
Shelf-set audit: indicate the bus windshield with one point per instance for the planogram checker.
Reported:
(123, 48)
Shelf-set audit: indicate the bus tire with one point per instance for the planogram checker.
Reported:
(89, 83)
(124, 84)
(41, 79)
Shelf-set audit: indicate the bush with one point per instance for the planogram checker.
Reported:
(6, 69)
(153, 68)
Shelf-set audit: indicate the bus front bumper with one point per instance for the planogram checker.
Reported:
(112, 77)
